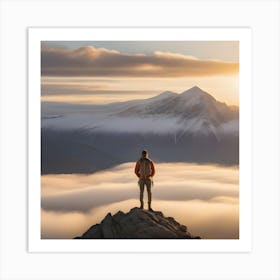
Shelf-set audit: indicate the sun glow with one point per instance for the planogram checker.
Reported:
(90, 90)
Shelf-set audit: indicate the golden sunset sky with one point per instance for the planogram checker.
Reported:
(105, 72)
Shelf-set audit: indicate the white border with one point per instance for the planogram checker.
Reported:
(262, 262)
(243, 35)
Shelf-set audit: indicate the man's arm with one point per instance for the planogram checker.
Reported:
(153, 169)
(137, 169)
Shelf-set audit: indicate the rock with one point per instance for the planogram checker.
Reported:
(107, 227)
(137, 223)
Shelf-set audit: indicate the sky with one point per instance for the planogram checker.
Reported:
(110, 71)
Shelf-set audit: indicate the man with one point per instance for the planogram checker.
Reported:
(145, 170)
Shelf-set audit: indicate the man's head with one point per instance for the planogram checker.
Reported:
(144, 153)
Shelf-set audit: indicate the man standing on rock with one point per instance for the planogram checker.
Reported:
(145, 170)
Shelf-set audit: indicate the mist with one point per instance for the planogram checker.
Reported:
(203, 197)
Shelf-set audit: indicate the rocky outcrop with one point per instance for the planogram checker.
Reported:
(137, 223)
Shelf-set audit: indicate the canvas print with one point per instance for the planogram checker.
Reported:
(139, 140)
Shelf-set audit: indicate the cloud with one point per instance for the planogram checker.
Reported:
(48, 90)
(81, 193)
(203, 197)
(211, 220)
(90, 61)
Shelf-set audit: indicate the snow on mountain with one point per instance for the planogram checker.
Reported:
(187, 127)
(192, 112)
(189, 104)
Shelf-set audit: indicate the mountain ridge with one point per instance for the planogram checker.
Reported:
(85, 139)
(137, 224)
(184, 101)
(195, 108)
(194, 112)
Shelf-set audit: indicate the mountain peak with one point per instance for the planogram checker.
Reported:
(167, 92)
(163, 95)
(196, 95)
(195, 90)
(137, 223)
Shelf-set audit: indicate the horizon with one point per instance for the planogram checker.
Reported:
(107, 72)
(103, 102)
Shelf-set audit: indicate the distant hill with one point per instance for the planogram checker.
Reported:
(136, 224)
(188, 127)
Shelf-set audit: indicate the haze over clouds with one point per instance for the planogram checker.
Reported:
(118, 89)
(204, 197)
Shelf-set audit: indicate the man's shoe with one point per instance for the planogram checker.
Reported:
(150, 209)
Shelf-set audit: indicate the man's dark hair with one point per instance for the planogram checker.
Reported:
(144, 152)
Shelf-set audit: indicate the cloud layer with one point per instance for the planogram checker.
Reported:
(204, 197)
(90, 61)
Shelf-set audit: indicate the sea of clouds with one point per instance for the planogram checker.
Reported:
(203, 197)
